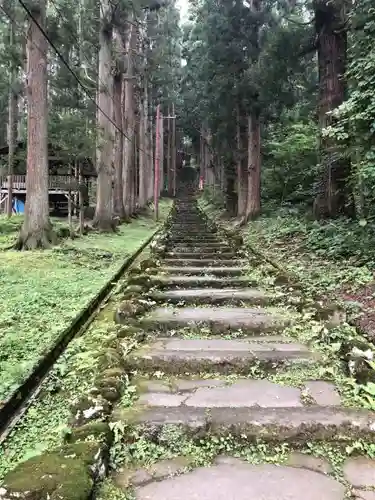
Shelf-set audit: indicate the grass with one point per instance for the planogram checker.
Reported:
(42, 291)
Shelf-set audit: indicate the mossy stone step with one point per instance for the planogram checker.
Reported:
(239, 296)
(202, 243)
(240, 393)
(199, 248)
(296, 425)
(201, 256)
(179, 356)
(199, 271)
(172, 281)
(204, 262)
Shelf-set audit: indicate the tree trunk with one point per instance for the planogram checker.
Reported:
(334, 194)
(129, 124)
(119, 144)
(152, 159)
(103, 219)
(36, 231)
(169, 166)
(242, 181)
(253, 168)
(12, 120)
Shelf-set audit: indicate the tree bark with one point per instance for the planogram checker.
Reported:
(334, 193)
(36, 231)
(253, 168)
(119, 145)
(103, 219)
(12, 119)
(242, 181)
(129, 124)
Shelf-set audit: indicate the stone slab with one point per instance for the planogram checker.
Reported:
(239, 394)
(198, 271)
(206, 248)
(205, 256)
(179, 356)
(204, 262)
(304, 461)
(324, 393)
(203, 281)
(217, 295)
(360, 472)
(244, 482)
(221, 318)
(293, 425)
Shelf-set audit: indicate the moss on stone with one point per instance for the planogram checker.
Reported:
(87, 451)
(108, 382)
(132, 291)
(142, 280)
(110, 358)
(129, 331)
(110, 393)
(113, 372)
(147, 263)
(51, 476)
(97, 429)
(128, 309)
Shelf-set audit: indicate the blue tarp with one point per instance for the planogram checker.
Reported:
(18, 206)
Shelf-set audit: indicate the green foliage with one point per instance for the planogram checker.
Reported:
(289, 149)
(353, 126)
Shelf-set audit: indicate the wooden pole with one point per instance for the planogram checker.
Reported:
(157, 164)
(169, 168)
(161, 130)
(174, 150)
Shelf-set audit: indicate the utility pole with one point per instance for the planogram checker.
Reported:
(157, 163)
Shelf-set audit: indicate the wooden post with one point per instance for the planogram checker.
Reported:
(169, 170)
(70, 213)
(174, 150)
(161, 181)
(157, 163)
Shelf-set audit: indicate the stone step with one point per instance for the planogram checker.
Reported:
(288, 424)
(202, 243)
(232, 478)
(204, 262)
(177, 356)
(233, 296)
(199, 271)
(219, 319)
(195, 239)
(169, 281)
(209, 256)
(199, 248)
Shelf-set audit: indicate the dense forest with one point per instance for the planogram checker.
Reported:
(278, 94)
(86, 77)
(273, 100)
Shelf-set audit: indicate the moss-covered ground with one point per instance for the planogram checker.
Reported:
(42, 291)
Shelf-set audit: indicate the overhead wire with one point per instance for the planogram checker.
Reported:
(71, 71)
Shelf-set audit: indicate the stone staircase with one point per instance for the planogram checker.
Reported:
(216, 362)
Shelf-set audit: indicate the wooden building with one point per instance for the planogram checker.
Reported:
(67, 176)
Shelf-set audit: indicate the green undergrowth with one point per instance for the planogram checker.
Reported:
(47, 420)
(325, 255)
(42, 291)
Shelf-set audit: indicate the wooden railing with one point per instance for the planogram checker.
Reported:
(55, 182)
